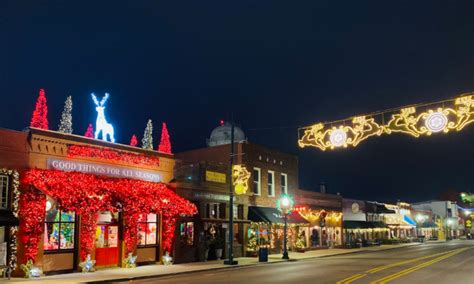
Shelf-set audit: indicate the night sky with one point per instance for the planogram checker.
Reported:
(275, 65)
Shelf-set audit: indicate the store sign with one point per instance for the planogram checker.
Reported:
(102, 170)
(210, 196)
(215, 177)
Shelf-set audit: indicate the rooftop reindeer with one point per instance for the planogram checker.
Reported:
(101, 124)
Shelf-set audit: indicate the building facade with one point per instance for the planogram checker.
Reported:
(80, 196)
(270, 174)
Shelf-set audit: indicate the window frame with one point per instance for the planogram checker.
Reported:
(60, 222)
(285, 191)
(158, 229)
(271, 186)
(4, 180)
(258, 183)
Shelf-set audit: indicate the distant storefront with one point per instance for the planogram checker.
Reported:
(324, 213)
(357, 229)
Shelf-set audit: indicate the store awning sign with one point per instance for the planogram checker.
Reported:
(102, 170)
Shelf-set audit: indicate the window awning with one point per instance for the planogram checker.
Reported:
(273, 215)
(7, 218)
(409, 220)
(363, 225)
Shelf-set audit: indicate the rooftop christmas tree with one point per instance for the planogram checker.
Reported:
(90, 131)
(65, 125)
(165, 144)
(147, 141)
(134, 141)
(40, 115)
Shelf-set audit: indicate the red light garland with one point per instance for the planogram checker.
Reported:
(32, 210)
(108, 154)
(87, 195)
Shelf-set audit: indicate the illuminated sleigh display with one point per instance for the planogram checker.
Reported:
(435, 118)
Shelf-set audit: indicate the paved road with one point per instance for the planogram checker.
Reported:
(450, 263)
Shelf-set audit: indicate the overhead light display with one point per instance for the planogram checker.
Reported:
(420, 120)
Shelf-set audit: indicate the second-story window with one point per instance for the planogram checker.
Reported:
(284, 183)
(256, 181)
(271, 183)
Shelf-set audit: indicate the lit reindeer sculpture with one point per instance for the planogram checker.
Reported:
(101, 124)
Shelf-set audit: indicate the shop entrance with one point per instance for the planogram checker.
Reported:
(106, 240)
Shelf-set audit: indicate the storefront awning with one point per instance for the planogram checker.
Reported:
(273, 215)
(363, 225)
(7, 218)
(409, 220)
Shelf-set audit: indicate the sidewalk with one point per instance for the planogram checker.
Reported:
(148, 271)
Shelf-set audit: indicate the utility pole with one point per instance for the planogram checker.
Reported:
(231, 260)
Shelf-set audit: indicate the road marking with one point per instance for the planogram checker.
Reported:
(415, 268)
(380, 268)
(351, 279)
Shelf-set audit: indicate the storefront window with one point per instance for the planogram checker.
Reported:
(59, 230)
(148, 230)
(186, 230)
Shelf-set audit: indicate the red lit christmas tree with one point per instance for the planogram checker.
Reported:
(40, 115)
(134, 141)
(90, 131)
(165, 144)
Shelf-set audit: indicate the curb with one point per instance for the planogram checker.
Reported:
(240, 266)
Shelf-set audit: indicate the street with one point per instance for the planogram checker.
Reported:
(451, 262)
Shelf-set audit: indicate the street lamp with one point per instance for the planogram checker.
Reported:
(285, 205)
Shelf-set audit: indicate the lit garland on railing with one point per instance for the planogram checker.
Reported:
(108, 154)
(15, 197)
(351, 132)
(87, 195)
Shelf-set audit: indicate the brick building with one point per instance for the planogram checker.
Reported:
(203, 175)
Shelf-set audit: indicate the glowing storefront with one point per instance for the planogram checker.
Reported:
(83, 197)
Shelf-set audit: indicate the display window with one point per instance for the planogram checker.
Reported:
(59, 229)
(148, 230)
(187, 233)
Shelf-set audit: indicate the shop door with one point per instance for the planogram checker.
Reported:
(106, 242)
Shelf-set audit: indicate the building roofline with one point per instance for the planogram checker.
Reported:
(96, 142)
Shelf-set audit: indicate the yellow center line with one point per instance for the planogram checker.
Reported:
(351, 279)
(380, 268)
(415, 268)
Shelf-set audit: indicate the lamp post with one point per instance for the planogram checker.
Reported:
(231, 260)
(285, 205)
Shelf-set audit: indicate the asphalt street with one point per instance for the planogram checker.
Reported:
(450, 263)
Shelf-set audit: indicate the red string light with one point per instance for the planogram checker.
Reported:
(40, 114)
(165, 144)
(87, 195)
(108, 154)
(90, 131)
